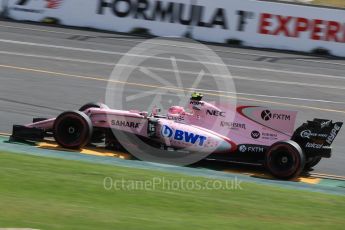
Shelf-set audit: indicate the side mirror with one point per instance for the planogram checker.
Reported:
(155, 111)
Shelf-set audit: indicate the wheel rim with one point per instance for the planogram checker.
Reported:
(71, 130)
(283, 162)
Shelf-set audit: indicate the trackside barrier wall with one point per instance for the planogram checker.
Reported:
(255, 23)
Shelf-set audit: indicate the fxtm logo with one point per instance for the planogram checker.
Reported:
(180, 135)
(215, 113)
(251, 149)
(267, 115)
(51, 4)
(255, 134)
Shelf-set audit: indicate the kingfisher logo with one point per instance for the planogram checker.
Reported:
(180, 135)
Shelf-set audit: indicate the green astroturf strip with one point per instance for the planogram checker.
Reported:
(47, 193)
(328, 187)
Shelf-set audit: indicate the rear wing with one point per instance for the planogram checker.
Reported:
(315, 137)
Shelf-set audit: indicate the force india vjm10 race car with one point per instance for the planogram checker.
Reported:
(254, 135)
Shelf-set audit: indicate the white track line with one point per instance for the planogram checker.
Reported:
(138, 41)
(129, 40)
(185, 72)
(322, 62)
(293, 73)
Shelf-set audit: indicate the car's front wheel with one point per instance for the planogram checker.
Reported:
(72, 129)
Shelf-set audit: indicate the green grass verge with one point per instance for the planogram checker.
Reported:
(47, 193)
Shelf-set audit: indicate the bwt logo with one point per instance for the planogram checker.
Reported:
(267, 115)
(180, 135)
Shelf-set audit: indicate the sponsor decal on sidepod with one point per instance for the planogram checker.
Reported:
(255, 134)
(233, 125)
(125, 124)
(251, 149)
(308, 133)
(181, 135)
(267, 115)
(333, 134)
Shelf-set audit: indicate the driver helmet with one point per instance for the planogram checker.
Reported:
(196, 96)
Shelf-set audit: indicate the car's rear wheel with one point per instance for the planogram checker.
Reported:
(285, 160)
(72, 129)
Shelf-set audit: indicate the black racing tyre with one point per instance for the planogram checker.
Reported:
(285, 160)
(312, 162)
(90, 105)
(97, 135)
(72, 129)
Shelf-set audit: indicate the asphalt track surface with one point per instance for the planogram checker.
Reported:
(46, 70)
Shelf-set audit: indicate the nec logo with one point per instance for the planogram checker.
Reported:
(215, 113)
(267, 115)
(51, 4)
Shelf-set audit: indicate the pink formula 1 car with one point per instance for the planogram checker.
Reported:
(249, 134)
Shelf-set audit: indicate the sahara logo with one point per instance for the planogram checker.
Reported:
(180, 135)
(128, 124)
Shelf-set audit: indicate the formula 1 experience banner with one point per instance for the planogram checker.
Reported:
(255, 23)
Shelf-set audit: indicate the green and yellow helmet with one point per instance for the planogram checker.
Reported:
(196, 96)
